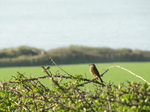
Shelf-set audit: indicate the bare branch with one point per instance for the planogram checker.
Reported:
(60, 67)
(129, 72)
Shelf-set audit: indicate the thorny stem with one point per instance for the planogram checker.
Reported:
(48, 72)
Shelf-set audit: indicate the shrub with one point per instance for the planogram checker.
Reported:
(72, 95)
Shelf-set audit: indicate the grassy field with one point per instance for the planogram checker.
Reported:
(115, 75)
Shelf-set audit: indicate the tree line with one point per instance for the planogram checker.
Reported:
(30, 56)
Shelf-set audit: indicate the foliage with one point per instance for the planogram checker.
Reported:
(72, 95)
(20, 52)
(29, 56)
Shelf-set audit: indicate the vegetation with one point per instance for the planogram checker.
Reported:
(70, 93)
(28, 56)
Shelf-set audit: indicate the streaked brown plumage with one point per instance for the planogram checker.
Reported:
(93, 70)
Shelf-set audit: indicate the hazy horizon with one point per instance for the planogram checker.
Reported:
(48, 24)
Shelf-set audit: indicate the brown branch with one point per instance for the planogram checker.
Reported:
(58, 76)
(60, 67)
(89, 81)
(93, 80)
(104, 72)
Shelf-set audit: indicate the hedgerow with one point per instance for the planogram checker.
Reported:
(29, 56)
(70, 93)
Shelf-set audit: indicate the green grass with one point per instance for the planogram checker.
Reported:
(115, 75)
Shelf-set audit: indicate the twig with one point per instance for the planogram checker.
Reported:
(129, 72)
(47, 71)
(60, 67)
(58, 76)
(93, 80)
(108, 100)
(104, 72)
(81, 93)
(23, 106)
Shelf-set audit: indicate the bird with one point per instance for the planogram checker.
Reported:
(93, 70)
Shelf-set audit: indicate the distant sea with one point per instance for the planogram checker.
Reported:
(49, 24)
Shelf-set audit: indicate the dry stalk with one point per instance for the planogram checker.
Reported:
(129, 72)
